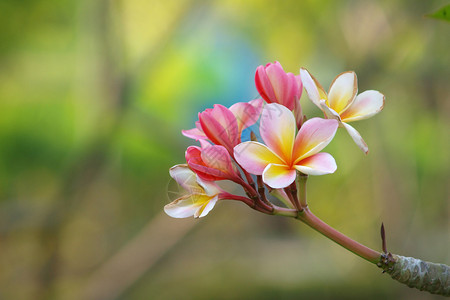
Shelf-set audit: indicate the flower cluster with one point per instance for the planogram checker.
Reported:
(290, 144)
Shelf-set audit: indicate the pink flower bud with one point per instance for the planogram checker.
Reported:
(276, 86)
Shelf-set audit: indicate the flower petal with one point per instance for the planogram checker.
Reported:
(318, 164)
(194, 133)
(185, 177)
(206, 208)
(186, 206)
(220, 126)
(217, 157)
(263, 84)
(313, 88)
(356, 137)
(366, 104)
(279, 81)
(286, 89)
(299, 91)
(329, 112)
(254, 157)
(196, 163)
(278, 176)
(210, 187)
(313, 136)
(247, 113)
(277, 130)
(276, 86)
(342, 91)
(298, 113)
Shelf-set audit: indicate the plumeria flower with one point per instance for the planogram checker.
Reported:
(201, 198)
(342, 103)
(224, 126)
(211, 162)
(276, 86)
(284, 152)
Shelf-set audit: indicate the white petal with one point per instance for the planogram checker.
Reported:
(329, 112)
(183, 207)
(185, 177)
(210, 188)
(206, 208)
(365, 106)
(356, 137)
(312, 86)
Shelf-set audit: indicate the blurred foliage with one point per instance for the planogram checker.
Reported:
(442, 13)
(94, 95)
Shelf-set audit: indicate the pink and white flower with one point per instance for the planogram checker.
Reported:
(342, 102)
(224, 126)
(201, 198)
(284, 153)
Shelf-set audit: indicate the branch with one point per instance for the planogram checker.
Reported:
(416, 273)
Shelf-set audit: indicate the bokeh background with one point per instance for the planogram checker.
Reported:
(94, 94)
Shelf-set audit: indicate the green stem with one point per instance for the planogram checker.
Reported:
(285, 212)
(301, 189)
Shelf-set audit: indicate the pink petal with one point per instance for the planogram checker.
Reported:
(284, 85)
(278, 176)
(298, 113)
(220, 126)
(247, 113)
(194, 133)
(217, 157)
(192, 152)
(342, 92)
(313, 88)
(196, 163)
(356, 138)
(263, 85)
(365, 106)
(318, 164)
(314, 135)
(278, 130)
(184, 177)
(299, 86)
(254, 157)
(276, 86)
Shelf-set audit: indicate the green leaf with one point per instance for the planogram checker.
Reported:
(442, 13)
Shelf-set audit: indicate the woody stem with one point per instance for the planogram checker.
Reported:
(307, 217)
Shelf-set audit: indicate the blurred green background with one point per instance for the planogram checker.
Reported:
(94, 94)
